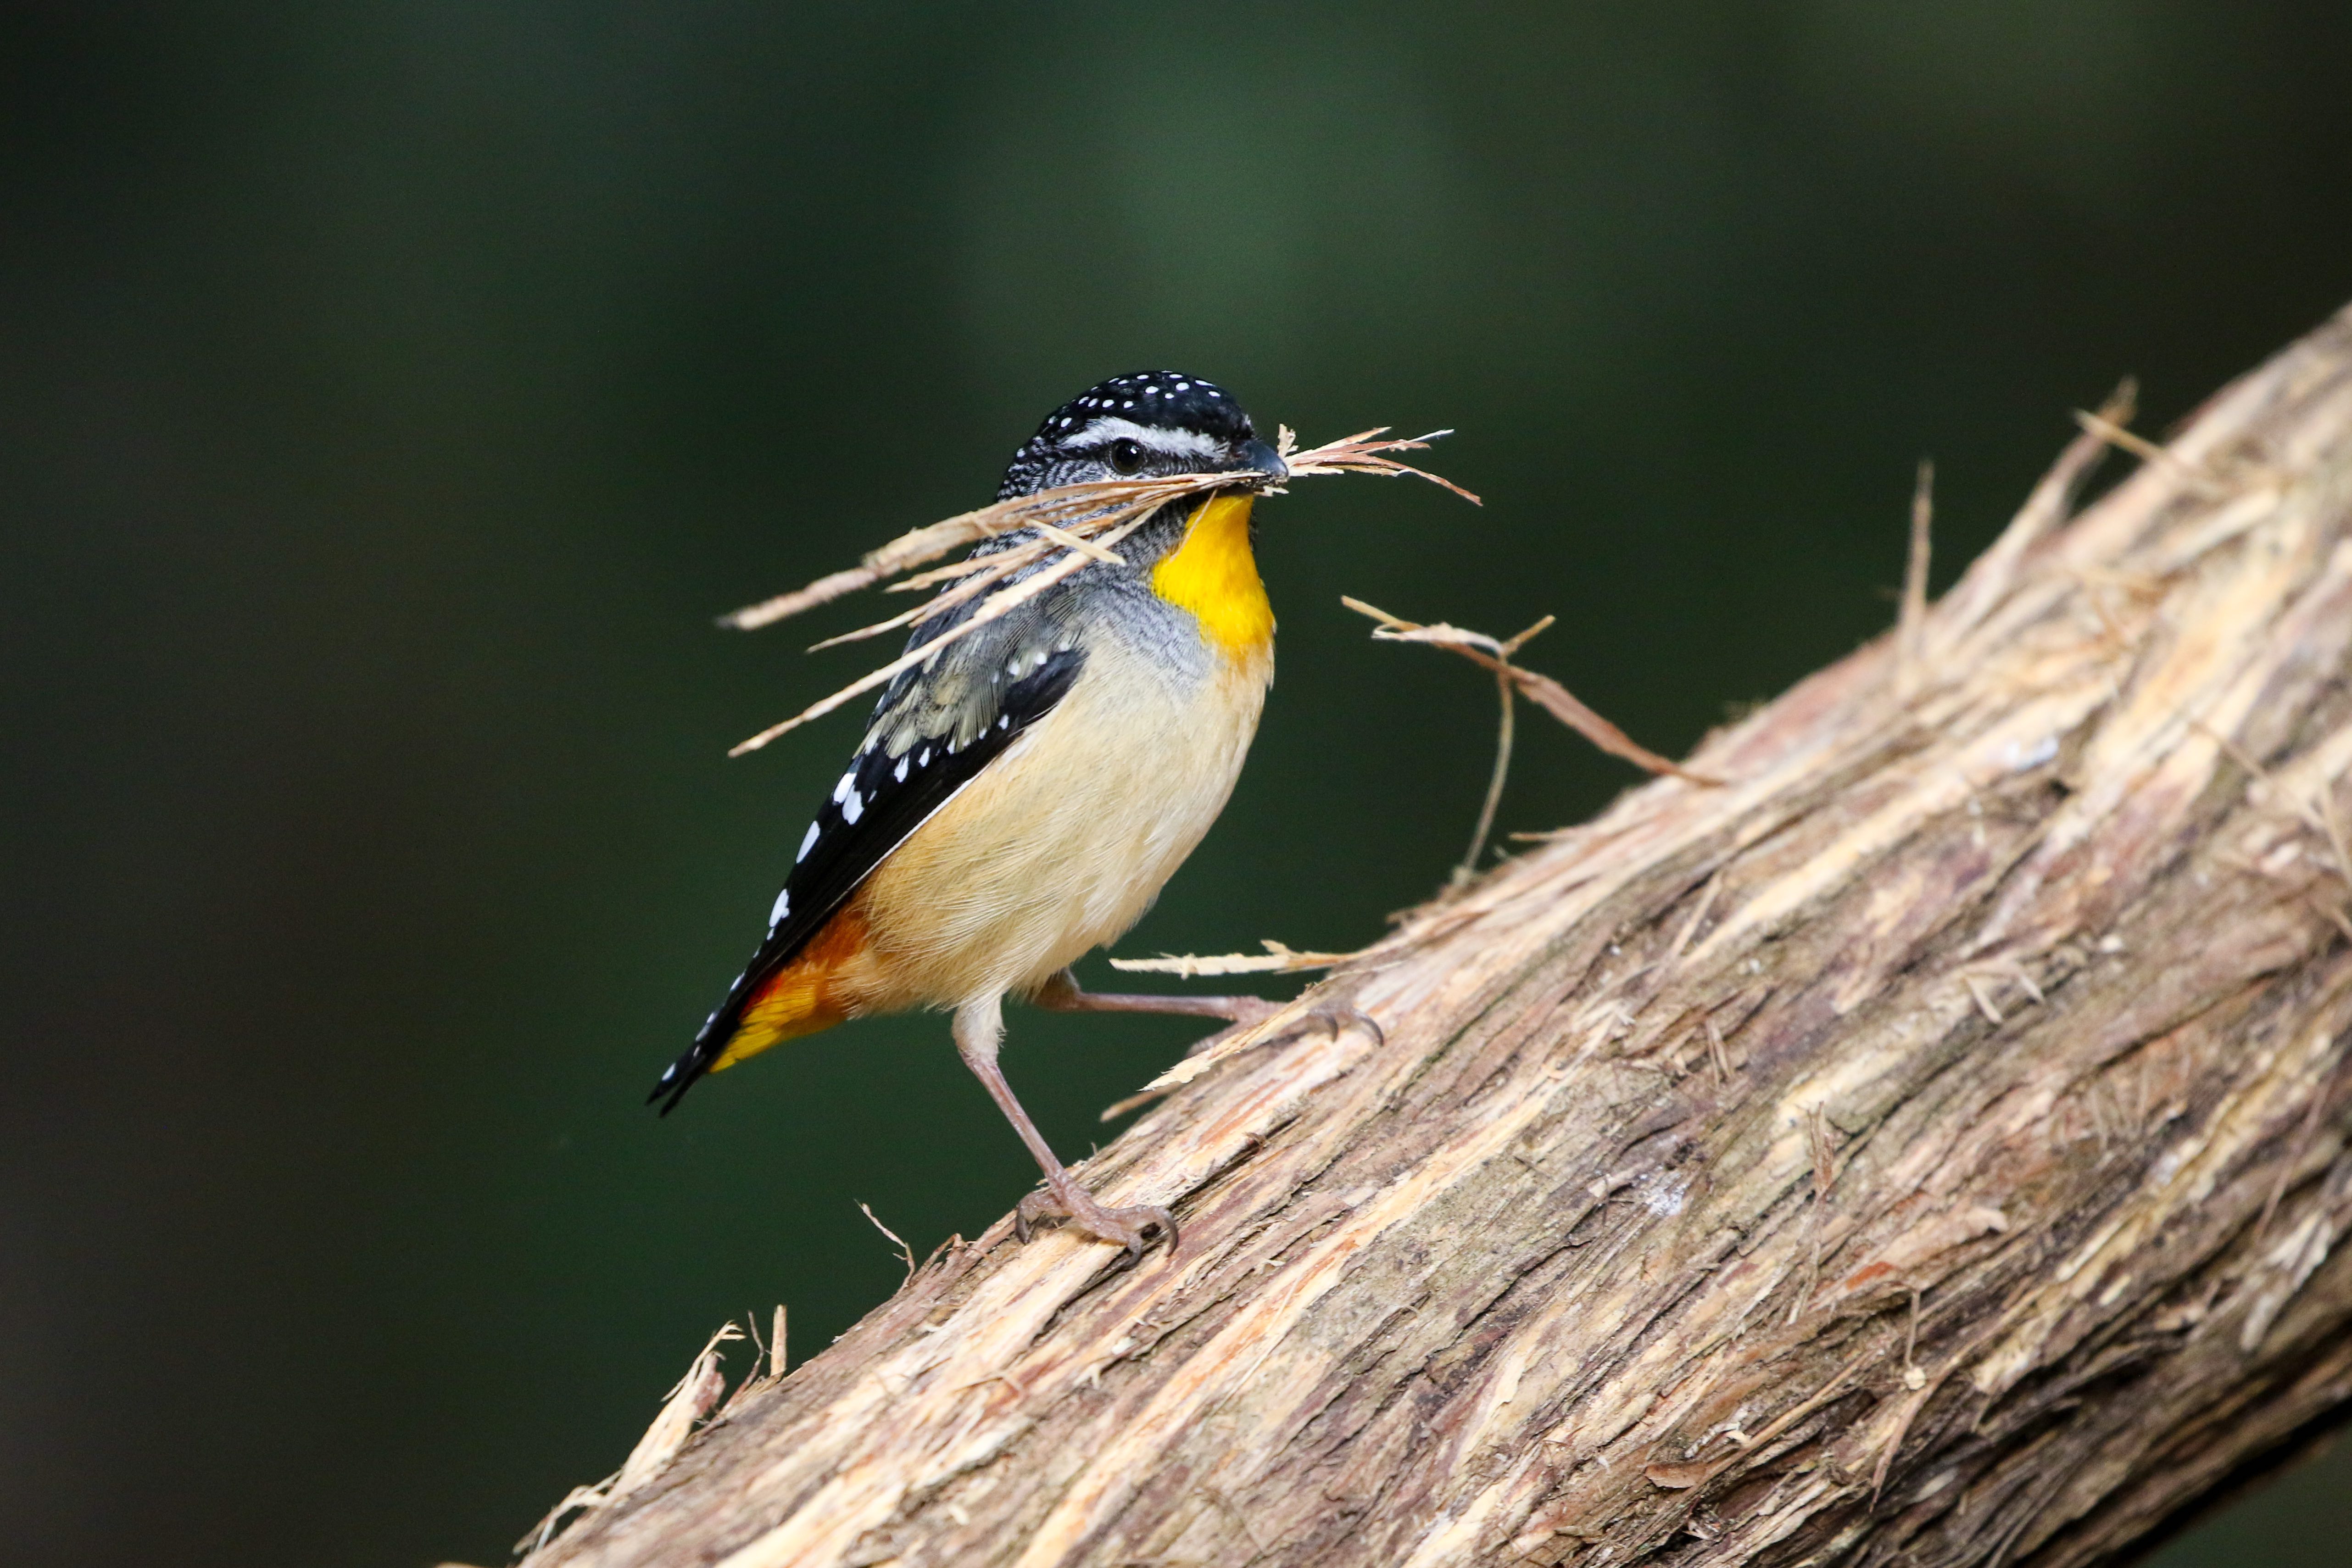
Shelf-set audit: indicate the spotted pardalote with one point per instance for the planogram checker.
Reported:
(1021, 799)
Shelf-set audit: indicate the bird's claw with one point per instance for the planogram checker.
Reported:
(1331, 1017)
(1126, 1228)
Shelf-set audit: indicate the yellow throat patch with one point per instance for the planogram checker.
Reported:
(1213, 574)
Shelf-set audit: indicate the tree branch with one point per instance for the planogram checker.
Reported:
(1931, 1145)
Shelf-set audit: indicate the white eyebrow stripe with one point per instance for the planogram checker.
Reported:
(1104, 430)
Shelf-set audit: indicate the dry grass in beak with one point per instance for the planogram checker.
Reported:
(1076, 524)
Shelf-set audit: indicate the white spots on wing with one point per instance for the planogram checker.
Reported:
(1004, 721)
(841, 790)
(783, 909)
(924, 760)
(853, 807)
(900, 773)
(808, 842)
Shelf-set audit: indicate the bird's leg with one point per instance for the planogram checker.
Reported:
(979, 1027)
(1063, 995)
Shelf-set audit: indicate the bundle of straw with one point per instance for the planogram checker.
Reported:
(1074, 524)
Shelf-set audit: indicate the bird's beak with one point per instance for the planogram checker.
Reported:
(1260, 458)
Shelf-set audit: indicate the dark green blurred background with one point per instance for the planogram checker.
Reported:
(390, 395)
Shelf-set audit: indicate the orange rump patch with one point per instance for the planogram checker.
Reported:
(800, 998)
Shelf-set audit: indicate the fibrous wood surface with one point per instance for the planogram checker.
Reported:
(1930, 1147)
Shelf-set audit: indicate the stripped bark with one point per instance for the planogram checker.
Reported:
(1930, 1147)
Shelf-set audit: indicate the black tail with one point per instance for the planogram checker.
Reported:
(689, 1069)
(678, 1077)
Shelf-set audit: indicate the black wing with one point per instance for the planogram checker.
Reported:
(933, 731)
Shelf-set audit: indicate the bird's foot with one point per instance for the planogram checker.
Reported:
(1331, 1017)
(1067, 1201)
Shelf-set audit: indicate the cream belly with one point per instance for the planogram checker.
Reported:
(1062, 843)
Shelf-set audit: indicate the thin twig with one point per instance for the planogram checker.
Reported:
(1118, 1107)
(904, 1252)
(1275, 960)
(2148, 451)
(1507, 691)
(1911, 626)
(1541, 689)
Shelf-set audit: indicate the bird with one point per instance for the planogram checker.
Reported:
(1021, 799)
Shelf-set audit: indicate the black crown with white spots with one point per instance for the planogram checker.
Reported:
(1173, 422)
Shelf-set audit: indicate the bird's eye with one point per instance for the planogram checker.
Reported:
(1126, 456)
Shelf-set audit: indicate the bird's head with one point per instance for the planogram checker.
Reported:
(1150, 425)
